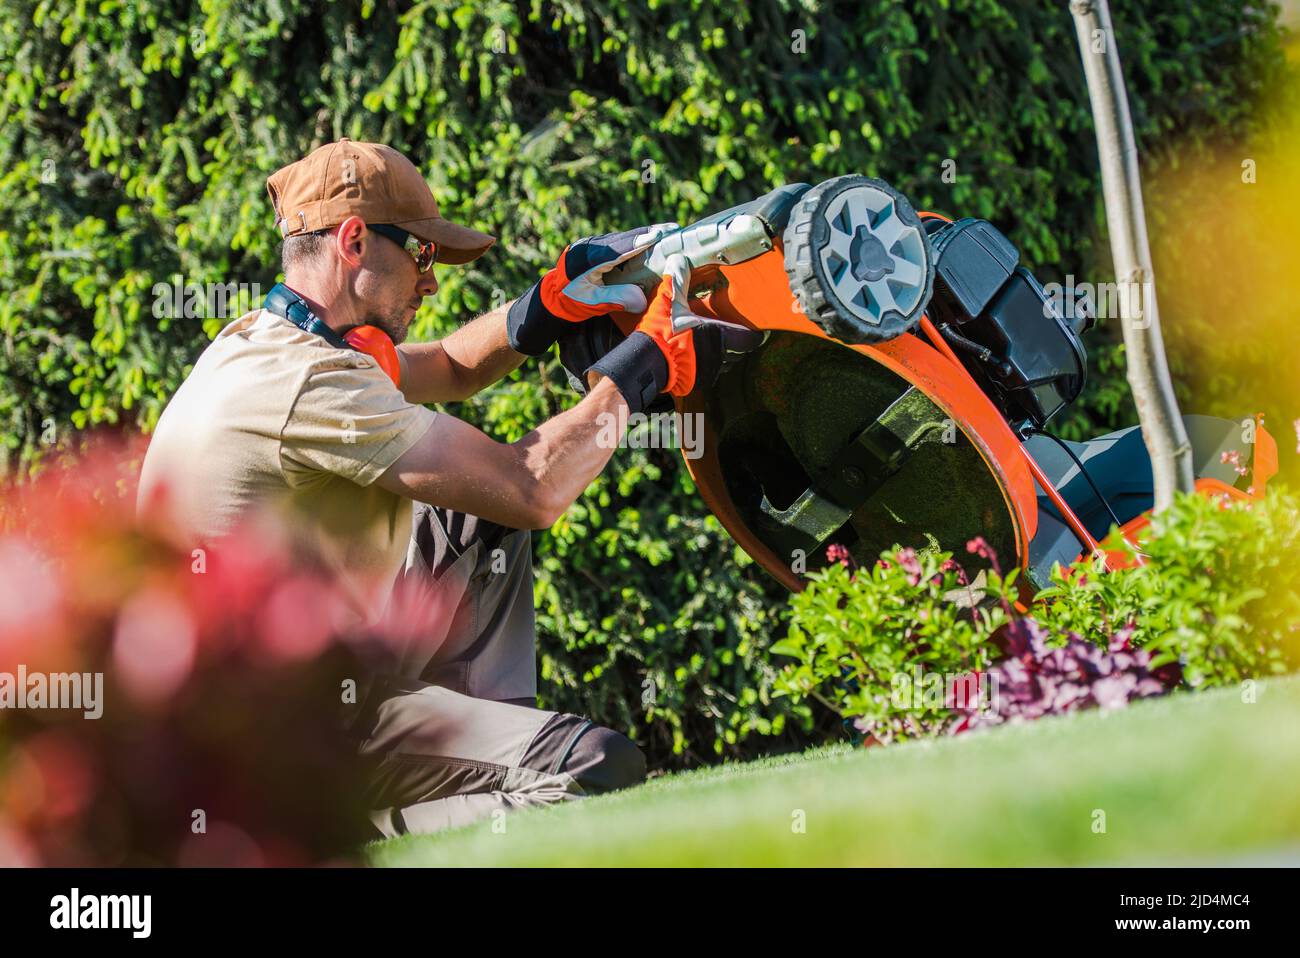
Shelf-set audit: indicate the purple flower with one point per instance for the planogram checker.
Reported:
(1114, 692)
(1035, 679)
(1122, 640)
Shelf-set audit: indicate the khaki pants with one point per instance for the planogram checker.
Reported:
(451, 734)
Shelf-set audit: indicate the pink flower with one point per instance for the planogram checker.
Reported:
(1234, 457)
(838, 553)
(154, 645)
(978, 546)
(908, 562)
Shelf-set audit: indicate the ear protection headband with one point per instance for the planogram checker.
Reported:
(371, 340)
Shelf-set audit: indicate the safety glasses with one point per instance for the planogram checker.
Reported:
(424, 254)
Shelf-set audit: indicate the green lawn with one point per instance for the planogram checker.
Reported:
(1196, 779)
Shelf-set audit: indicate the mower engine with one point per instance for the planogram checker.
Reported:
(1007, 331)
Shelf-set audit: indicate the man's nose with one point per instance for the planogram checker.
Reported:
(426, 284)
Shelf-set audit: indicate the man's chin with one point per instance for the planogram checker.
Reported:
(395, 330)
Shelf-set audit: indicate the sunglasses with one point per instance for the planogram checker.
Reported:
(424, 254)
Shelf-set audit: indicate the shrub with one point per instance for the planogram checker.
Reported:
(868, 641)
(220, 694)
(1215, 602)
(1217, 597)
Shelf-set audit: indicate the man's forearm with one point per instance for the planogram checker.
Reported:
(460, 364)
(525, 484)
(565, 453)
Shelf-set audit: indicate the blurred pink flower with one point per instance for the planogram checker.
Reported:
(154, 645)
(909, 563)
(15, 850)
(300, 619)
(33, 597)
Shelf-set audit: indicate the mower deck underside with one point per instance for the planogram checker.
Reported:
(784, 415)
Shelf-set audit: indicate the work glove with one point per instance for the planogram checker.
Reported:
(584, 344)
(672, 350)
(574, 290)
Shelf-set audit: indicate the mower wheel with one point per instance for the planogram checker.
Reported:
(858, 259)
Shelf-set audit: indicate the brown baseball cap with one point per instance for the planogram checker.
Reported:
(372, 181)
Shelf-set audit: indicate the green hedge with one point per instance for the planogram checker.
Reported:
(136, 138)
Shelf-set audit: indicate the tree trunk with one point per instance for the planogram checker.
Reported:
(1148, 372)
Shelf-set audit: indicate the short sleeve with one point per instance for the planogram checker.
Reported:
(350, 421)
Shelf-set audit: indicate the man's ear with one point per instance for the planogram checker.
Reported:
(351, 239)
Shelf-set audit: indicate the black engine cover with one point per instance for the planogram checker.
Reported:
(1008, 333)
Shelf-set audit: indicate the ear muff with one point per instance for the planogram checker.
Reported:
(374, 342)
(371, 340)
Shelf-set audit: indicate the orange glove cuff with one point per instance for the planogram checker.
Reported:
(552, 291)
(678, 348)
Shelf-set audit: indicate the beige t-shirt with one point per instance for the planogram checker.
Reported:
(274, 416)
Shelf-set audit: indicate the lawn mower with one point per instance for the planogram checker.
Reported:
(902, 395)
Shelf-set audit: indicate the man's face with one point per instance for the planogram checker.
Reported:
(391, 287)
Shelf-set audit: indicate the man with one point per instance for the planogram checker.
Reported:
(304, 407)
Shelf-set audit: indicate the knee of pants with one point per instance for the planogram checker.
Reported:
(603, 760)
(598, 758)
